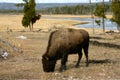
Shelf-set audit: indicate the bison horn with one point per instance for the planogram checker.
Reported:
(45, 57)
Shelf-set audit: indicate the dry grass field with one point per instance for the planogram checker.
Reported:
(104, 57)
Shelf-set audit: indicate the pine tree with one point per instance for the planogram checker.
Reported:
(116, 12)
(29, 13)
(30, 16)
(100, 12)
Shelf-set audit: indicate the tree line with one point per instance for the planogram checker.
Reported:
(75, 10)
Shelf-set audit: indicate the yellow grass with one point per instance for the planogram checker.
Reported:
(14, 22)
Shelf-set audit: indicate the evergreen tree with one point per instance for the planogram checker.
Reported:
(116, 12)
(100, 12)
(30, 16)
(29, 13)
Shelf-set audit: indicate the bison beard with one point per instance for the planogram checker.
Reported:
(62, 43)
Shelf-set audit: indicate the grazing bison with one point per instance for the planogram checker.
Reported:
(62, 43)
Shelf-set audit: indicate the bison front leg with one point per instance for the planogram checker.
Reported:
(79, 58)
(63, 62)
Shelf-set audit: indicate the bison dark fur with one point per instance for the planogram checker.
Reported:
(62, 43)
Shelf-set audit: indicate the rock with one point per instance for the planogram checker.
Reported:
(3, 53)
(22, 37)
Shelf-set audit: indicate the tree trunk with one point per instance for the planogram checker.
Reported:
(103, 24)
(103, 21)
(30, 26)
(91, 12)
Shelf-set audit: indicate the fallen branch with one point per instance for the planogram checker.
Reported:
(13, 47)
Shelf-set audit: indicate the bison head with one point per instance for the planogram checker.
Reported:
(48, 65)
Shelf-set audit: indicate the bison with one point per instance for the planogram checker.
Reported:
(62, 43)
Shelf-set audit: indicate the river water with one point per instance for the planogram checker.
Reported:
(108, 24)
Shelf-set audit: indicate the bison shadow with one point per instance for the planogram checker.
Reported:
(97, 43)
(101, 61)
(91, 62)
(92, 37)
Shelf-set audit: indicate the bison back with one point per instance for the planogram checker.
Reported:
(63, 40)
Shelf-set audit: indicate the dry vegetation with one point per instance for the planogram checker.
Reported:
(104, 60)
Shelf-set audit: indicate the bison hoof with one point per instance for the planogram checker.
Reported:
(62, 68)
(76, 66)
(87, 65)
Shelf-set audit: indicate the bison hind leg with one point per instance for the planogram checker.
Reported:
(86, 54)
(79, 58)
